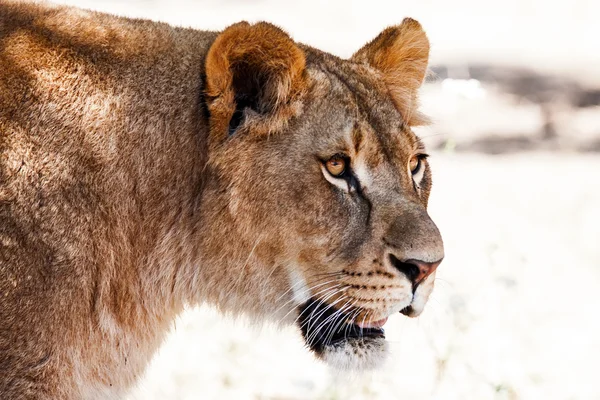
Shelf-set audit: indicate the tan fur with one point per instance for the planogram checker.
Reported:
(127, 193)
(401, 54)
(266, 51)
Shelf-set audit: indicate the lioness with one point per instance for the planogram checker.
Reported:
(144, 168)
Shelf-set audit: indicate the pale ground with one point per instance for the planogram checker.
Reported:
(515, 311)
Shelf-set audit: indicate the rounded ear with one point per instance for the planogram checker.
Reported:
(401, 54)
(252, 70)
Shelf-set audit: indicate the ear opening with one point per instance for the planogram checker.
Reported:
(246, 89)
(401, 54)
(252, 70)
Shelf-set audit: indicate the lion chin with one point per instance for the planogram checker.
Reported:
(334, 337)
(356, 354)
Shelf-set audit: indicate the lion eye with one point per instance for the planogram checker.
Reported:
(336, 166)
(414, 164)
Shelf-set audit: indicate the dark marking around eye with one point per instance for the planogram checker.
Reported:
(347, 174)
(421, 163)
(418, 167)
(354, 188)
(353, 183)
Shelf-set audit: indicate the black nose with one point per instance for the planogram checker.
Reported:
(415, 270)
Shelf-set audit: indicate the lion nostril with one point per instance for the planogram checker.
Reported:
(407, 268)
(416, 271)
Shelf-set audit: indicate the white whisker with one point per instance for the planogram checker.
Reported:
(299, 284)
(291, 300)
(312, 316)
(323, 323)
(352, 318)
(335, 326)
(334, 289)
(309, 289)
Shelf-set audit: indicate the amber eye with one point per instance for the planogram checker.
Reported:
(336, 166)
(414, 164)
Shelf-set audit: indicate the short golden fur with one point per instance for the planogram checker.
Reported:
(144, 168)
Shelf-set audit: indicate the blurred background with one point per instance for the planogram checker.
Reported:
(514, 96)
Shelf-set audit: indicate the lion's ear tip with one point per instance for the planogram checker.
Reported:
(401, 54)
(411, 22)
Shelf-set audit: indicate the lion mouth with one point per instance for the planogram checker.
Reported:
(325, 327)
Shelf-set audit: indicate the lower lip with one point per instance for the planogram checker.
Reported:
(372, 324)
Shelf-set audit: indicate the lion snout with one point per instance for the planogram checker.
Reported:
(413, 244)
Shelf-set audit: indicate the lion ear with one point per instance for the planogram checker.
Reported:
(401, 54)
(252, 70)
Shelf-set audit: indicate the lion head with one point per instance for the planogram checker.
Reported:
(319, 186)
